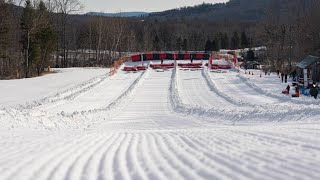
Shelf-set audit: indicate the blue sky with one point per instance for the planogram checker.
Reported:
(111, 6)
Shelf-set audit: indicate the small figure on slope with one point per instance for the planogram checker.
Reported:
(314, 90)
(287, 91)
(297, 94)
(286, 78)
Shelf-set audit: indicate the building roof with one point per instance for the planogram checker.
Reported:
(307, 62)
(252, 63)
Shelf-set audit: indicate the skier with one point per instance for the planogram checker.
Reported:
(314, 90)
(282, 75)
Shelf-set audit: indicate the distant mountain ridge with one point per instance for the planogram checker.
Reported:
(247, 10)
(121, 14)
(233, 10)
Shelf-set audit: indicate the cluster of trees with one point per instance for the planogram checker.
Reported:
(290, 38)
(104, 37)
(222, 41)
(30, 36)
(4, 39)
(49, 32)
(38, 38)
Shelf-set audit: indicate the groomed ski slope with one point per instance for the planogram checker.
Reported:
(174, 124)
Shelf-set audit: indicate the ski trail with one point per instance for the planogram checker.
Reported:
(75, 171)
(48, 164)
(92, 169)
(183, 171)
(120, 99)
(49, 114)
(63, 163)
(230, 84)
(222, 157)
(121, 161)
(160, 159)
(256, 113)
(151, 167)
(277, 95)
(158, 127)
(214, 86)
(110, 162)
(17, 148)
(137, 170)
(269, 155)
(179, 107)
(68, 94)
(22, 170)
(216, 155)
(200, 170)
(215, 159)
(195, 91)
(102, 95)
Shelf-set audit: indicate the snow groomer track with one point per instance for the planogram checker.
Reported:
(175, 124)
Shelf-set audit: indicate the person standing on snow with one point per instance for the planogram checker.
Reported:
(297, 94)
(288, 88)
(282, 75)
(314, 90)
(294, 74)
(286, 78)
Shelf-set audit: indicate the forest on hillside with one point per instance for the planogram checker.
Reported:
(38, 33)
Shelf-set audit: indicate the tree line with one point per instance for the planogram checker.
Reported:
(30, 36)
(49, 33)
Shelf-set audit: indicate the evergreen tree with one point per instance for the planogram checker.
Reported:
(216, 43)
(38, 38)
(185, 44)
(244, 40)
(34, 57)
(45, 38)
(4, 40)
(46, 41)
(4, 29)
(208, 46)
(156, 43)
(179, 44)
(235, 41)
(225, 41)
(250, 56)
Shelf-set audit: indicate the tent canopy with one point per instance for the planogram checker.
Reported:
(307, 62)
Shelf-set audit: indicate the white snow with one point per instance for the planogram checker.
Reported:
(176, 124)
(15, 92)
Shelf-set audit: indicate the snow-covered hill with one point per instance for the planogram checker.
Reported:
(176, 124)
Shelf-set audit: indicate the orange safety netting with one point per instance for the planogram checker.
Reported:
(117, 64)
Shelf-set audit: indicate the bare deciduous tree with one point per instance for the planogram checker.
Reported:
(65, 8)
